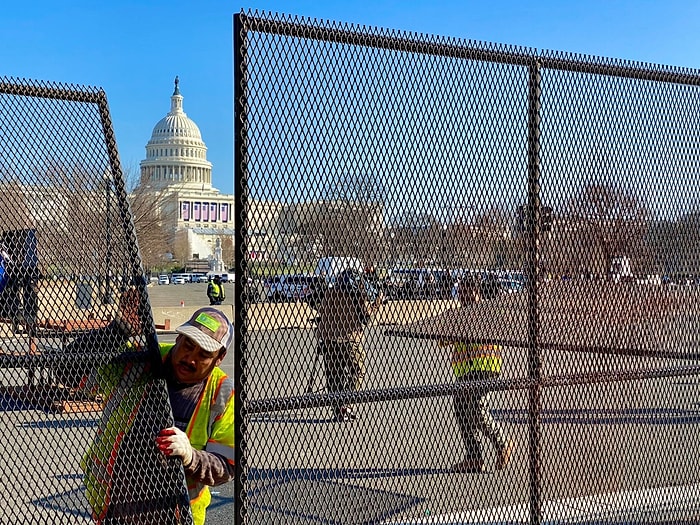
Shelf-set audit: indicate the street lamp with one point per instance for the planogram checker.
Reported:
(444, 247)
(108, 297)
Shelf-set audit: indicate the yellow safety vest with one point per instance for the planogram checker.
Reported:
(476, 357)
(211, 427)
(100, 459)
(217, 290)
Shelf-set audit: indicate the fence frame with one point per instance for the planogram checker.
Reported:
(122, 225)
(536, 61)
(97, 96)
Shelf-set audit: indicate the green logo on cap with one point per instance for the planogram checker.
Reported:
(208, 321)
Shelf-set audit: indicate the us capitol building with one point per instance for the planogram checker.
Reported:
(195, 215)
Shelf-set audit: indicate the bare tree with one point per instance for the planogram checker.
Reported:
(493, 221)
(301, 228)
(348, 222)
(613, 216)
(13, 203)
(676, 244)
(417, 238)
(154, 241)
(147, 206)
(180, 247)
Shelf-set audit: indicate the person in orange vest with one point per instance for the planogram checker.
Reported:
(472, 361)
(202, 399)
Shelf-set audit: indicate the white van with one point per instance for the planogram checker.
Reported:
(621, 269)
(225, 277)
(331, 267)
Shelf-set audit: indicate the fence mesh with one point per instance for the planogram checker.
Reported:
(78, 409)
(470, 281)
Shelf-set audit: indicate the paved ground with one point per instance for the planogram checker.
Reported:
(392, 464)
(619, 452)
(609, 451)
(40, 477)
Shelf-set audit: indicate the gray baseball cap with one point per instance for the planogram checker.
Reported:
(209, 328)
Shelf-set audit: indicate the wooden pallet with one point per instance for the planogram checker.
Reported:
(54, 399)
(72, 325)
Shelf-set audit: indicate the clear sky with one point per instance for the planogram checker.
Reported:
(134, 48)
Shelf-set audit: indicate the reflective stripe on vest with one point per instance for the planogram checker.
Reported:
(215, 403)
(476, 357)
(99, 460)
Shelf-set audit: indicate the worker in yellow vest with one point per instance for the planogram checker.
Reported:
(477, 362)
(215, 291)
(202, 400)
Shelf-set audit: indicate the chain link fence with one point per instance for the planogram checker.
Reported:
(80, 400)
(468, 281)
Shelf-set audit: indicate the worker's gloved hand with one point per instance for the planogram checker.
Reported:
(174, 442)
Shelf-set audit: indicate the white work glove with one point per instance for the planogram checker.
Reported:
(174, 442)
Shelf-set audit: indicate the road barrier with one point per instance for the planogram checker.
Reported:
(469, 170)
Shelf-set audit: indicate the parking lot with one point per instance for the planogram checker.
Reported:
(606, 447)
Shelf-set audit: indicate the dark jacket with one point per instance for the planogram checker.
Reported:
(343, 315)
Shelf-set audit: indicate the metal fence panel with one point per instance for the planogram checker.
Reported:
(619, 170)
(529, 220)
(69, 263)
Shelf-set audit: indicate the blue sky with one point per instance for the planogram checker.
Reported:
(134, 49)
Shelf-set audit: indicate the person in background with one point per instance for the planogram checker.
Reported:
(345, 310)
(4, 262)
(473, 361)
(215, 291)
(202, 400)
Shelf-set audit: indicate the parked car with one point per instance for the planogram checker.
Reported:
(511, 285)
(253, 291)
(511, 282)
(202, 279)
(163, 279)
(225, 277)
(418, 283)
(283, 288)
(331, 267)
(179, 280)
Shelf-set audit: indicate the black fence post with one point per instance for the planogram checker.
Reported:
(133, 274)
(240, 184)
(108, 297)
(533, 268)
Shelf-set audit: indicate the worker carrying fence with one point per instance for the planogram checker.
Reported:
(201, 396)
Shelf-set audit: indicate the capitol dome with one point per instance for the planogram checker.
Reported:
(175, 124)
(176, 154)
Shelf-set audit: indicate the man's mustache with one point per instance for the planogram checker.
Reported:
(188, 366)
